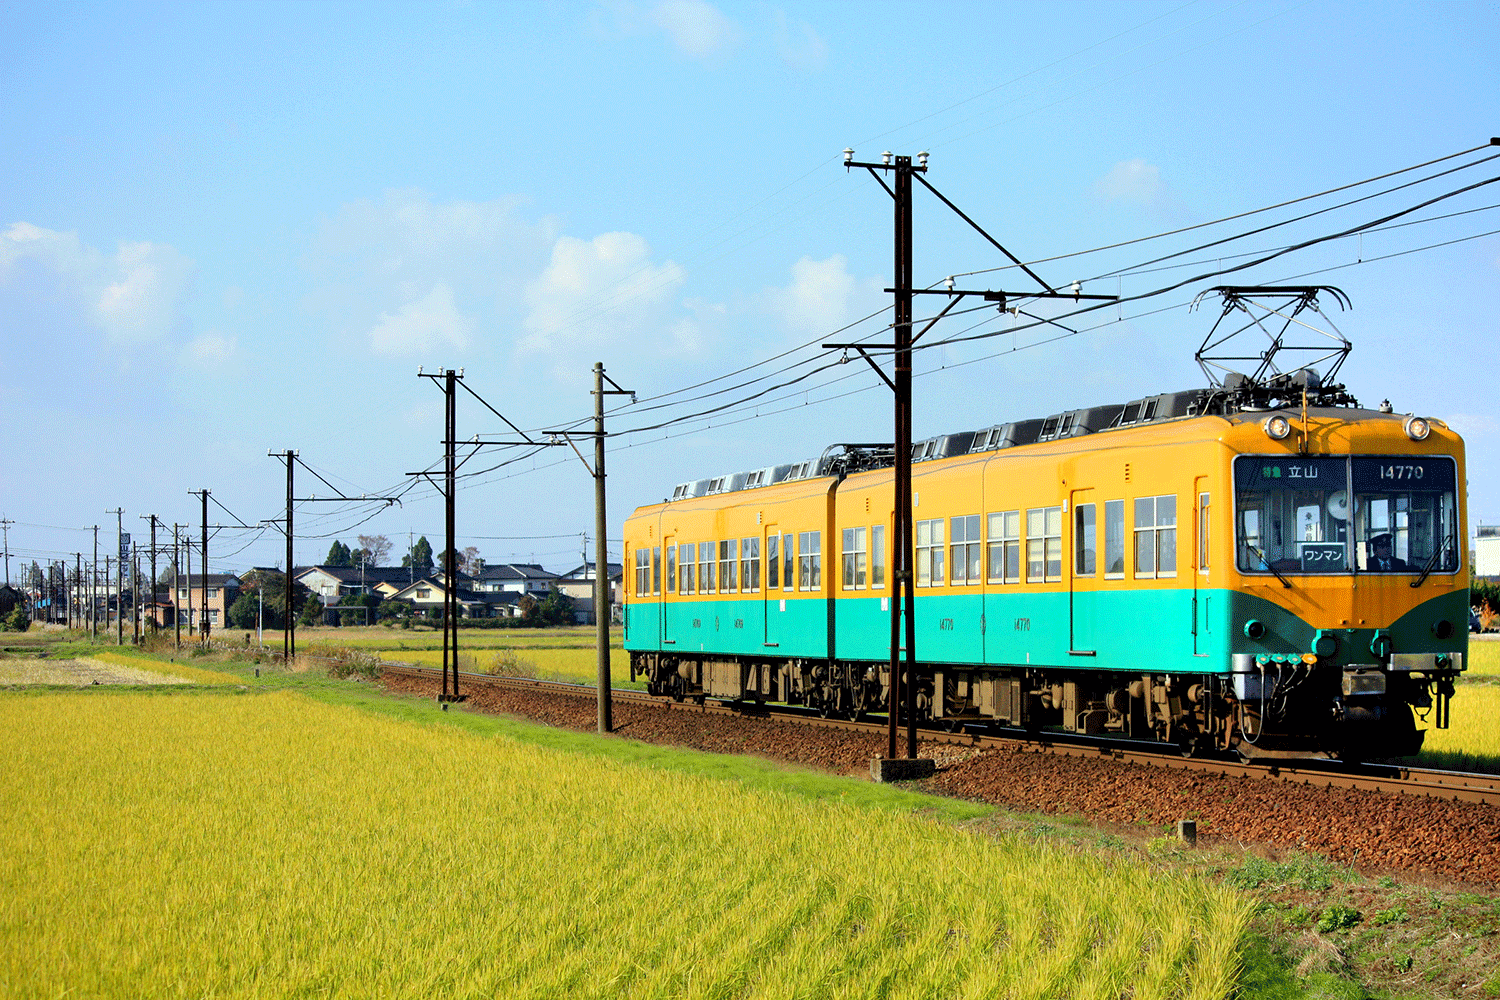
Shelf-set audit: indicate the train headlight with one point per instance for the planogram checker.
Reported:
(1417, 428)
(1278, 427)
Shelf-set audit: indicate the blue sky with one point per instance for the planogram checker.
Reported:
(227, 229)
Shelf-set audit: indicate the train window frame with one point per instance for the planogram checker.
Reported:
(750, 565)
(789, 561)
(1044, 544)
(810, 561)
(1205, 503)
(877, 557)
(773, 561)
(642, 572)
(1004, 540)
(1153, 534)
(687, 562)
(729, 557)
(706, 581)
(970, 548)
(930, 551)
(855, 558)
(1085, 540)
(656, 571)
(1115, 533)
(671, 552)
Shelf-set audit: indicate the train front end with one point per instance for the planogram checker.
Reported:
(1349, 603)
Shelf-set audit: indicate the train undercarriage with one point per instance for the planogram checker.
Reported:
(1293, 710)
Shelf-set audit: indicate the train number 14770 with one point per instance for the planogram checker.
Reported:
(1401, 472)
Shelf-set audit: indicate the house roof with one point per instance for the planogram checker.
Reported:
(351, 574)
(586, 572)
(464, 596)
(196, 580)
(514, 571)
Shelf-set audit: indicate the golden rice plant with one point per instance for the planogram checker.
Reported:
(271, 846)
(154, 665)
(1483, 659)
(577, 665)
(1472, 741)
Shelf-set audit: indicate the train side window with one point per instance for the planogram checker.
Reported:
(855, 558)
(705, 567)
(773, 562)
(729, 558)
(810, 560)
(929, 551)
(1084, 541)
(685, 563)
(788, 562)
(671, 569)
(1044, 545)
(1203, 532)
(964, 547)
(656, 571)
(877, 557)
(642, 572)
(1114, 539)
(1155, 537)
(1005, 547)
(750, 565)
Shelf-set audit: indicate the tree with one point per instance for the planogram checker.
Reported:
(312, 612)
(273, 585)
(371, 601)
(467, 561)
(16, 621)
(376, 548)
(338, 555)
(420, 556)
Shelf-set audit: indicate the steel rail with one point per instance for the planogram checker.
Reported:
(1453, 786)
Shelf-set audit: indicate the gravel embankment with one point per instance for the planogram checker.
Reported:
(1373, 830)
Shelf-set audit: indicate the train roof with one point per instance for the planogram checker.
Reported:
(1238, 395)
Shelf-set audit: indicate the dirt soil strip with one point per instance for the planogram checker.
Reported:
(77, 673)
(1373, 831)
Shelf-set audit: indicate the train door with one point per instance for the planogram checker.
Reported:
(772, 594)
(1084, 576)
(667, 567)
(1202, 638)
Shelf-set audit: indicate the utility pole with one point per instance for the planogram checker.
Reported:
(77, 598)
(187, 547)
(176, 588)
(151, 601)
(203, 629)
(903, 603)
(602, 610)
(135, 593)
(94, 586)
(119, 577)
(5, 527)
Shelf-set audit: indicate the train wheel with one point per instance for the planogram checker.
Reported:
(1191, 744)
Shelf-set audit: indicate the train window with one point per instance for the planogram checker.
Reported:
(773, 562)
(877, 557)
(686, 562)
(1404, 514)
(1005, 547)
(705, 567)
(930, 553)
(750, 565)
(1203, 532)
(642, 572)
(964, 546)
(810, 560)
(671, 569)
(1291, 514)
(729, 559)
(1044, 545)
(1114, 539)
(1155, 537)
(854, 559)
(1084, 551)
(656, 570)
(788, 562)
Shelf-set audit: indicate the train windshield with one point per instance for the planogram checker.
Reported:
(1302, 514)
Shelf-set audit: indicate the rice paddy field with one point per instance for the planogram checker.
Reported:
(268, 844)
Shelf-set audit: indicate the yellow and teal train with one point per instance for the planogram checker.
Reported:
(1214, 572)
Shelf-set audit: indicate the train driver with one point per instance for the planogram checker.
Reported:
(1381, 559)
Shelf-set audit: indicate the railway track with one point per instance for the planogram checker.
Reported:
(1449, 786)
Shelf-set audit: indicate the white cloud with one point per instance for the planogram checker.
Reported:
(135, 295)
(819, 297)
(377, 265)
(1132, 180)
(800, 47)
(603, 292)
(698, 29)
(211, 349)
(423, 325)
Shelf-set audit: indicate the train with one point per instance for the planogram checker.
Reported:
(1261, 567)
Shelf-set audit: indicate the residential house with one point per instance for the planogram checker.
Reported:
(514, 578)
(223, 590)
(578, 584)
(331, 583)
(428, 593)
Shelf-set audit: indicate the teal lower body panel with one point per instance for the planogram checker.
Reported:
(750, 625)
